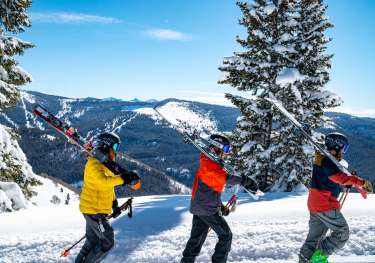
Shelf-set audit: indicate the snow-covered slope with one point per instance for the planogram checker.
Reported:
(180, 112)
(16, 173)
(269, 230)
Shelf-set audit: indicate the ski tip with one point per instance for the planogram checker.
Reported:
(65, 253)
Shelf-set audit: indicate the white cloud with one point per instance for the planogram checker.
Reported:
(72, 18)
(167, 34)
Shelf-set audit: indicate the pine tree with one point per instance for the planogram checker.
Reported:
(284, 59)
(304, 95)
(13, 19)
(268, 50)
(313, 62)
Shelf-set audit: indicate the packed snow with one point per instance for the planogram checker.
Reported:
(270, 230)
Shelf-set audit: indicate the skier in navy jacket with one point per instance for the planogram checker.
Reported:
(326, 185)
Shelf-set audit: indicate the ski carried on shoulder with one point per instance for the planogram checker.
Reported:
(321, 149)
(203, 146)
(71, 134)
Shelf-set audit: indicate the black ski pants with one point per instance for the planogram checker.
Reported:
(199, 231)
(99, 239)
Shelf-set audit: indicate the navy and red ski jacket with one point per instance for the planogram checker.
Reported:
(326, 185)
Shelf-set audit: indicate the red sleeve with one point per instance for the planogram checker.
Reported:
(212, 174)
(344, 179)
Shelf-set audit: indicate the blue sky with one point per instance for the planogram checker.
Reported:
(172, 48)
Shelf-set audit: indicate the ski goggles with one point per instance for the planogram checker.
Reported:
(226, 148)
(116, 147)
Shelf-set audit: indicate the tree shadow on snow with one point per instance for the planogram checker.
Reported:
(244, 198)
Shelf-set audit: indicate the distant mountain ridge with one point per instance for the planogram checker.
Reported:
(145, 137)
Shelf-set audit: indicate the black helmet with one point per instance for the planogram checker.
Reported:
(336, 141)
(220, 141)
(106, 141)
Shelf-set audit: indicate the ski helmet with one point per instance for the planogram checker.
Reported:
(107, 140)
(220, 141)
(337, 141)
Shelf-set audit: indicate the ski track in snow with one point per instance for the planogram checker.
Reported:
(270, 230)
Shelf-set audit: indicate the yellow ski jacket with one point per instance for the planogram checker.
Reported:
(98, 188)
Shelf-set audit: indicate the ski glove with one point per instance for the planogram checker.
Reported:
(130, 177)
(246, 181)
(224, 210)
(116, 209)
(367, 186)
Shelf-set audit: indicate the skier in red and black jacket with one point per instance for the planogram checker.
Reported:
(326, 185)
(206, 205)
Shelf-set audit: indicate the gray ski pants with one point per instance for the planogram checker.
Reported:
(99, 239)
(319, 225)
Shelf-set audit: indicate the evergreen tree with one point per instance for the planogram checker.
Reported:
(284, 59)
(267, 51)
(13, 19)
(304, 94)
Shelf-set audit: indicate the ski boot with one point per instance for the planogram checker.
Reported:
(318, 257)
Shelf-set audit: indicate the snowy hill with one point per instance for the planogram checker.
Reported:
(269, 230)
(147, 138)
(19, 187)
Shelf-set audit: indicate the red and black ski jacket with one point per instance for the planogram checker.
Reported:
(207, 187)
(326, 185)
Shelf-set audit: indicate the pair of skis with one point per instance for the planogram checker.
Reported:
(71, 134)
(318, 147)
(203, 146)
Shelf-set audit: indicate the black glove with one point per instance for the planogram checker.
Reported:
(116, 210)
(246, 182)
(130, 177)
(224, 210)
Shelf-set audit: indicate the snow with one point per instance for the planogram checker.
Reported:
(48, 189)
(48, 137)
(289, 76)
(11, 191)
(28, 97)
(148, 112)
(269, 230)
(269, 9)
(180, 113)
(11, 194)
(9, 120)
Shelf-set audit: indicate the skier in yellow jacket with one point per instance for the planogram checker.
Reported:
(98, 199)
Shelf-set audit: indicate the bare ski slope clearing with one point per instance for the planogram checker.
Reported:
(270, 230)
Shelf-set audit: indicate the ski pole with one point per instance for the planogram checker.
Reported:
(123, 207)
(344, 196)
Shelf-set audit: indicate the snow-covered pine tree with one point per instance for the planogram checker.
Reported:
(313, 62)
(13, 164)
(268, 49)
(303, 91)
(13, 19)
(284, 59)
